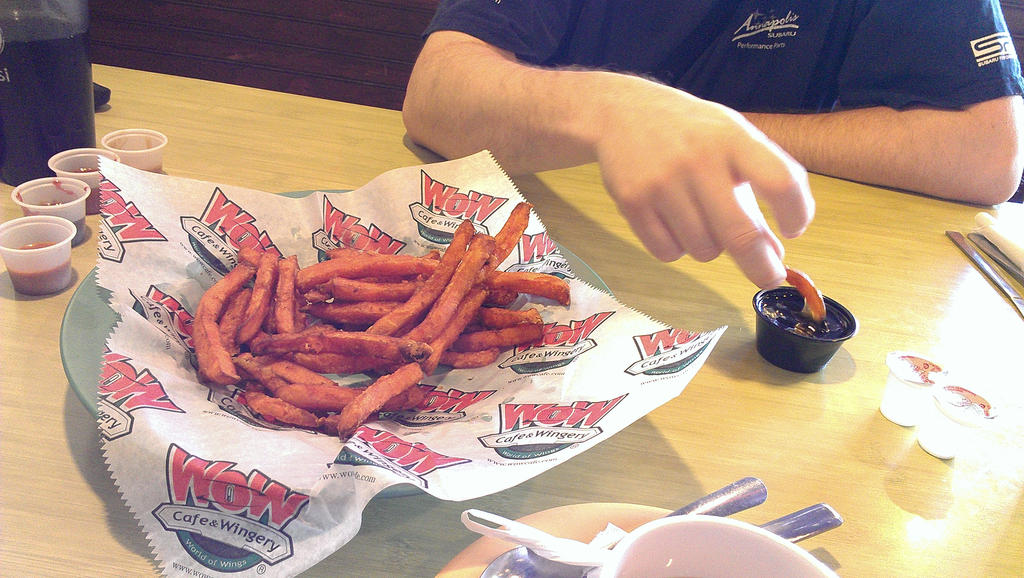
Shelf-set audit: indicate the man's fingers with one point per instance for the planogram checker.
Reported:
(683, 213)
(754, 252)
(735, 223)
(648, 227)
(782, 182)
(670, 222)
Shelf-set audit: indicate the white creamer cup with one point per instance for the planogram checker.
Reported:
(141, 148)
(709, 547)
(954, 411)
(37, 253)
(83, 164)
(908, 388)
(55, 196)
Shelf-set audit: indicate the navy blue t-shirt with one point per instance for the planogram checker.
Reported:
(768, 55)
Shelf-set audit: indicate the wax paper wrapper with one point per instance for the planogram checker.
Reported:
(218, 490)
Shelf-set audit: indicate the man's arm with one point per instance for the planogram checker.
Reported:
(974, 155)
(671, 161)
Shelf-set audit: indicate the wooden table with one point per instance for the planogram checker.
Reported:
(811, 438)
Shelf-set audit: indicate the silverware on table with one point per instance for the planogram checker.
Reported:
(989, 248)
(960, 241)
(803, 524)
(738, 496)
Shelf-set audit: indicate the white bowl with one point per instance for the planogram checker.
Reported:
(709, 547)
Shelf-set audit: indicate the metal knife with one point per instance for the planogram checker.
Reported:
(989, 248)
(960, 241)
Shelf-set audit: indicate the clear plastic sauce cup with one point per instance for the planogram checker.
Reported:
(141, 148)
(37, 253)
(57, 197)
(83, 164)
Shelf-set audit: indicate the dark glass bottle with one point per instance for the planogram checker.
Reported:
(46, 91)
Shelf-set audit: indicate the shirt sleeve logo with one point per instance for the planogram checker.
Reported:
(993, 48)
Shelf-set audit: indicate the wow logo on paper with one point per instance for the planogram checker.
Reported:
(439, 407)
(539, 254)
(226, 519)
(123, 390)
(221, 231)
(442, 208)
(558, 347)
(533, 430)
(167, 314)
(410, 460)
(668, 351)
(121, 223)
(344, 230)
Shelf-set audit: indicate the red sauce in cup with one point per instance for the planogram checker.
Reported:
(41, 282)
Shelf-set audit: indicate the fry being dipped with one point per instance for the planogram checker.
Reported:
(814, 304)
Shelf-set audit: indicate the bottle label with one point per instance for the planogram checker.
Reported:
(5, 76)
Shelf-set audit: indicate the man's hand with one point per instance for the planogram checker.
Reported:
(676, 166)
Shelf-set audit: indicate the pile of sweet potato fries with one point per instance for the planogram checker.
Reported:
(276, 329)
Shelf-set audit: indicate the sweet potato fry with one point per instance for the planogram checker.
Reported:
(405, 400)
(347, 342)
(500, 338)
(250, 256)
(338, 363)
(317, 397)
(296, 373)
(318, 294)
(364, 265)
(508, 237)
(343, 289)
(276, 409)
(408, 399)
(497, 317)
(539, 284)
(385, 347)
(463, 316)
(465, 276)
(231, 319)
(259, 301)
(357, 313)
(259, 371)
(284, 295)
(252, 367)
(375, 396)
(213, 358)
(425, 296)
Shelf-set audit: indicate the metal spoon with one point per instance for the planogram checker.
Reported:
(523, 563)
(803, 524)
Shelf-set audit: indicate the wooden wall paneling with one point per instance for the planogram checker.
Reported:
(358, 51)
